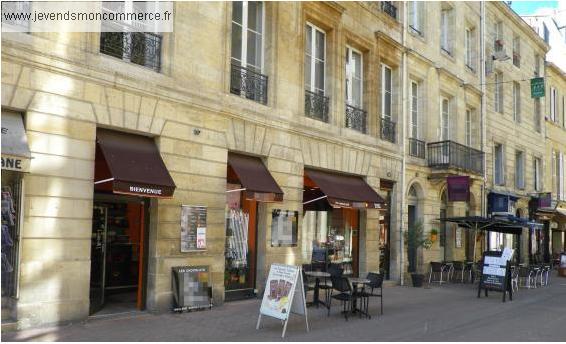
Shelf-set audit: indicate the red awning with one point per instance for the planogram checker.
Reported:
(255, 178)
(130, 164)
(344, 191)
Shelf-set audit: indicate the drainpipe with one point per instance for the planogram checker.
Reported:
(483, 109)
(403, 143)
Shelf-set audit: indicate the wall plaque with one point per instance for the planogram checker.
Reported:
(193, 228)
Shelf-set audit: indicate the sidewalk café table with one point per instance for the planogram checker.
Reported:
(317, 275)
(355, 282)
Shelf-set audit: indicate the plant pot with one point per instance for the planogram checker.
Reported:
(417, 280)
(433, 237)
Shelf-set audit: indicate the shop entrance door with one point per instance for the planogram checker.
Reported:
(118, 244)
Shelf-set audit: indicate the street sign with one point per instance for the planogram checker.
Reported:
(537, 87)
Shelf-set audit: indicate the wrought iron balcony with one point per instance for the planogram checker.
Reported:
(143, 48)
(416, 148)
(356, 118)
(248, 83)
(388, 131)
(389, 8)
(316, 106)
(450, 154)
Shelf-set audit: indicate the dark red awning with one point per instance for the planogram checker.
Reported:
(344, 191)
(255, 178)
(131, 164)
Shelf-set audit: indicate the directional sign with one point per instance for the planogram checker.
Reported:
(537, 87)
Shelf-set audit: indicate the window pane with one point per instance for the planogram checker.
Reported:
(387, 76)
(236, 42)
(255, 16)
(254, 50)
(387, 105)
(357, 92)
(319, 75)
(237, 12)
(357, 59)
(308, 40)
(319, 45)
(308, 83)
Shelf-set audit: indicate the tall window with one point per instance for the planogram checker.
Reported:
(315, 57)
(498, 92)
(537, 166)
(445, 30)
(498, 36)
(469, 46)
(537, 65)
(445, 119)
(537, 114)
(519, 169)
(386, 88)
(117, 39)
(469, 127)
(247, 34)
(516, 51)
(516, 101)
(354, 77)
(498, 171)
(416, 9)
(546, 33)
(558, 173)
(553, 104)
(414, 110)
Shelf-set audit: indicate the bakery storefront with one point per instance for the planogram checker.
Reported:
(129, 173)
(16, 158)
(333, 204)
(249, 184)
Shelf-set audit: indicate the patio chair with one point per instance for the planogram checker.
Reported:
(345, 294)
(439, 269)
(525, 275)
(335, 271)
(376, 282)
(536, 272)
(545, 276)
(514, 278)
(306, 283)
(458, 267)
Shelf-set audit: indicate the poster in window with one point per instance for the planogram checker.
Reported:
(458, 237)
(284, 228)
(193, 228)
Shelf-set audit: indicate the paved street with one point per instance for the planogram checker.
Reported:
(447, 313)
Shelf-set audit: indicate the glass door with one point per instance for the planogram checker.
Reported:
(98, 257)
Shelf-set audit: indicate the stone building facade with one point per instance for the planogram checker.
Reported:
(355, 116)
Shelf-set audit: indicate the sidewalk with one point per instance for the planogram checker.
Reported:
(448, 313)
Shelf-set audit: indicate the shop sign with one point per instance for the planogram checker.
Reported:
(191, 289)
(284, 294)
(15, 163)
(144, 190)
(537, 87)
(284, 228)
(193, 228)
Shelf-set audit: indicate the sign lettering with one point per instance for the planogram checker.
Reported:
(14, 163)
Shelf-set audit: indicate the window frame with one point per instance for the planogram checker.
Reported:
(499, 91)
(383, 92)
(553, 107)
(498, 168)
(520, 169)
(416, 17)
(537, 171)
(244, 27)
(444, 123)
(350, 76)
(517, 51)
(469, 46)
(414, 132)
(468, 127)
(516, 101)
(313, 58)
(445, 21)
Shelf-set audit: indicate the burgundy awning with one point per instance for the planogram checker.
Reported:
(255, 178)
(130, 164)
(344, 191)
(458, 188)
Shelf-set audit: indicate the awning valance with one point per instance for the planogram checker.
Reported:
(343, 191)
(255, 179)
(131, 164)
(16, 155)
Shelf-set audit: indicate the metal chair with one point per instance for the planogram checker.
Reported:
(458, 267)
(438, 269)
(514, 278)
(335, 271)
(345, 294)
(525, 275)
(376, 282)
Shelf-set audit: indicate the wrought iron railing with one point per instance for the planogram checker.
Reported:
(389, 8)
(416, 148)
(316, 106)
(450, 154)
(356, 118)
(248, 83)
(387, 130)
(142, 48)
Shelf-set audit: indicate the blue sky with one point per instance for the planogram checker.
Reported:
(530, 7)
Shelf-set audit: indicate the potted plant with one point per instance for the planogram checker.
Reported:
(414, 238)
(433, 234)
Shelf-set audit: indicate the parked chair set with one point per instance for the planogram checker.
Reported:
(451, 271)
(533, 276)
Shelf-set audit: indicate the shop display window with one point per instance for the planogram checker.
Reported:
(11, 194)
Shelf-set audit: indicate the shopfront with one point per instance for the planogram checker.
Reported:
(249, 183)
(16, 158)
(334, 206)
(129, 172)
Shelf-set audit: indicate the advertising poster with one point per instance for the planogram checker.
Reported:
(193, 228)
(279, 290)
(191, 287)
(458, 237)
(284, 228)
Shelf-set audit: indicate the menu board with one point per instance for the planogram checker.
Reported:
(495, 269)
(563, 261)
(193, 228)
(284, 227)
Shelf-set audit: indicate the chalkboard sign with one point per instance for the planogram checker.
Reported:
(496, 273)
(191, 288)
(193, 228)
